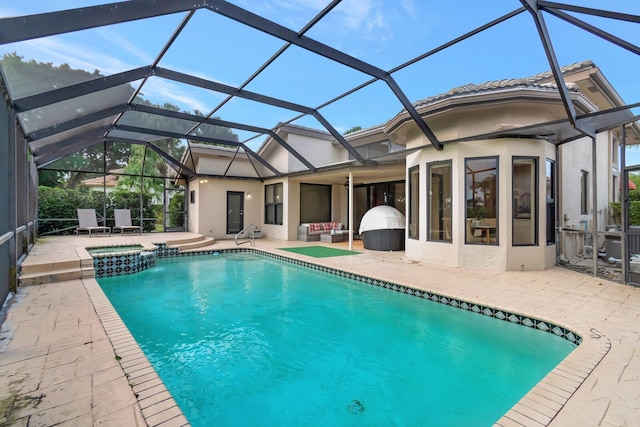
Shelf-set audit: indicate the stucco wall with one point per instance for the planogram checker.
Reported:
(208, 216)
(318, 152)
(277, 157)
(193, 212)
(576, 157)
(503, 256)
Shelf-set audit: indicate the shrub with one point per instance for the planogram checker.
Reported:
(176, 210)
(615, 209)
(121, 199)
(62, 204)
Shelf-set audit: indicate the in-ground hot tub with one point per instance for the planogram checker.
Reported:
(382, 228)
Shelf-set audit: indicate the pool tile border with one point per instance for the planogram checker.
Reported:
(497, 313)
(107, 265)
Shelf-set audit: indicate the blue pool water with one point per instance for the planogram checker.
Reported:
(245, 340)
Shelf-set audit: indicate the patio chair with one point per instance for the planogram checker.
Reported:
(123, 221)
(88, 222)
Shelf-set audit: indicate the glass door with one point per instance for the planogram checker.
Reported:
(235, 211)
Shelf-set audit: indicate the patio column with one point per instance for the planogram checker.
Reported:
(624, 207)
(594, 210)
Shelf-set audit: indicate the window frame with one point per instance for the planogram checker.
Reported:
(268, 206)
(584, 192)
(430, 166)
(550, 204)
(496, 159)
(327, 209)
(414, 193)
(534, 213)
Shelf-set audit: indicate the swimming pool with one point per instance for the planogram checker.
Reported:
(240, 339)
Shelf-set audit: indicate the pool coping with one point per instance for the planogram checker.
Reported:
(538, 407)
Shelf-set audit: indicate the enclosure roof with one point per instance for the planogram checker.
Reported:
(232, 73)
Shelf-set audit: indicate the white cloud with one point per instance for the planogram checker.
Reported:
(120, 43)
(370, 20)
(80, 56)
(160, 91)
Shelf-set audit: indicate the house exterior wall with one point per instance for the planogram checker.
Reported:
(292, 211)
(318, 152)
(452, 118)
(339, 205)
(277, 157)
(193, 212)
(213, 165)
(503, 256)
(576, 157)
(208, 215)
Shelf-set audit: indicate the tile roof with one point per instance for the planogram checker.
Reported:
(538, 81)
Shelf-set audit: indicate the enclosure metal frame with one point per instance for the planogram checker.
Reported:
(20, 152)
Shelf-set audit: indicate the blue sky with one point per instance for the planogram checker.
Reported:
(384, 33)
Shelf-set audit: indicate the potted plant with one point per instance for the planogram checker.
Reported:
(477, 212)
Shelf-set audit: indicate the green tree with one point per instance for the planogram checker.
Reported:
(176, 210)
(33, 77)
(353, 129)
(58, 204)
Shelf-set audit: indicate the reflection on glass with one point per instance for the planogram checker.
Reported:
(481, 185)
(414, 202)
(315, 203)
(551, 202)
(439, 214)
(273, 206)
(524, 207)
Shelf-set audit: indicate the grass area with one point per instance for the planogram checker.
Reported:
(319, 251)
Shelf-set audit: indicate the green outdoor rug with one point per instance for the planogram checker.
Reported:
(319, 251)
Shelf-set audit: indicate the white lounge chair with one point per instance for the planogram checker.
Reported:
(123, 221)
(88, 222)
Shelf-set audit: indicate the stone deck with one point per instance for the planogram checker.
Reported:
(67, 359)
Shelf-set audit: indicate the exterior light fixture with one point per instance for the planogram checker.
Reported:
(203, 181)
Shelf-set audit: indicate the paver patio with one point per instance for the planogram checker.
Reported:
(67, 359)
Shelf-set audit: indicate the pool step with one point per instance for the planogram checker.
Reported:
(199, 244)
(176, 243)
(82, 268)
(38, 274)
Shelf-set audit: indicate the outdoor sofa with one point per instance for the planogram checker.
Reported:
(310, 232)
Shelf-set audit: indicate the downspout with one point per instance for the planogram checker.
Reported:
(594, 210)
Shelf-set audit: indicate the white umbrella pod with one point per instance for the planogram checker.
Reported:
(382, 228)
